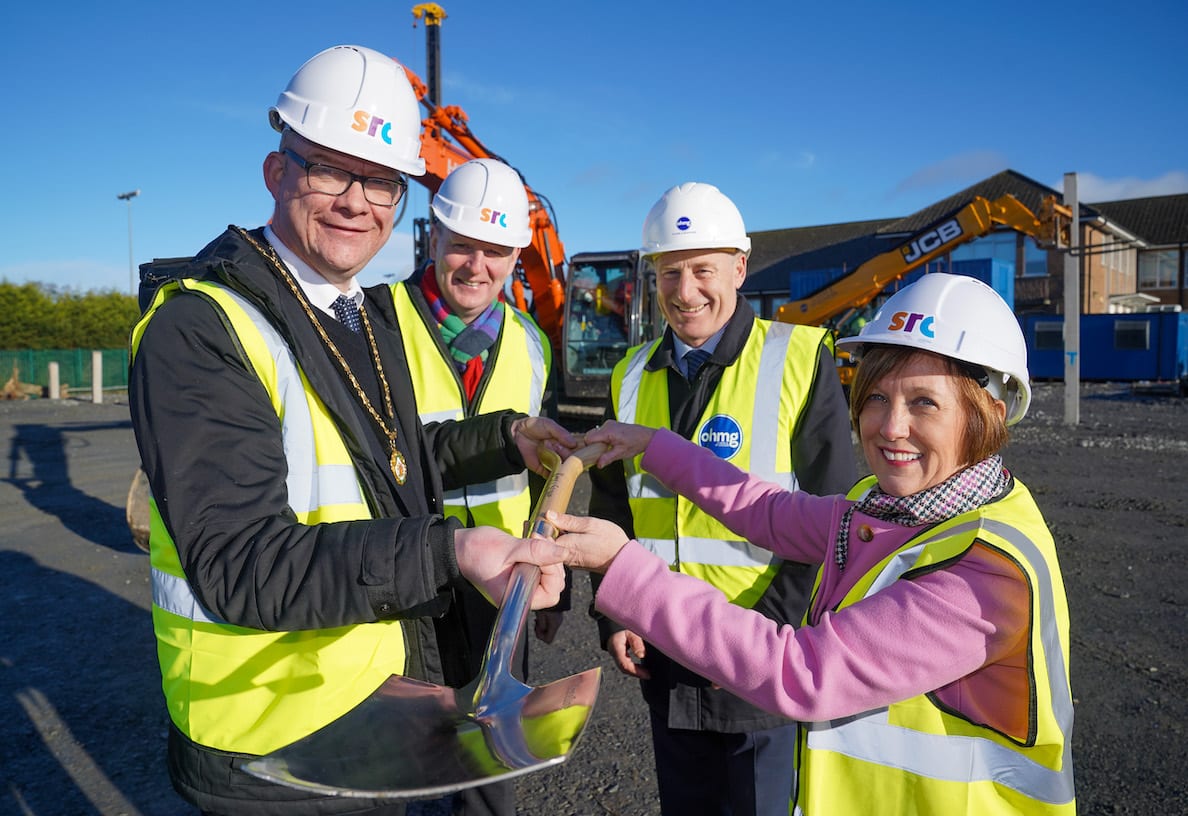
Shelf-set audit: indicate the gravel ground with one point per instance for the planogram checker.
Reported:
(82, 724)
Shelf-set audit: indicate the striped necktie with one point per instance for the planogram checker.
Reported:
(694, 360)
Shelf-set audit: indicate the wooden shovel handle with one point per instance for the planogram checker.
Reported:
(559, 488)
(512, 616)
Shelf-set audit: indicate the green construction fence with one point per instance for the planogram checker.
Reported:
(74, 367)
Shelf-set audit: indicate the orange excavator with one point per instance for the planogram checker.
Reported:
(446, 142)
(594, 306)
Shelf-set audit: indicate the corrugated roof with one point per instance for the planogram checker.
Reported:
(804, 248)
(1160, 221)
(1029, 192)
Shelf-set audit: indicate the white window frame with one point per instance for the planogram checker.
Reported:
(1166, 274)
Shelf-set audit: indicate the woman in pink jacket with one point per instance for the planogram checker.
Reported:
(931, 671)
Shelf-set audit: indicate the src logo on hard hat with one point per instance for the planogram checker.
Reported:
(490, 216)
(684, 222)
(722, 435)
(912, 321)
(372, 126)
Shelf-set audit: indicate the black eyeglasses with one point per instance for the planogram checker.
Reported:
(335, 181)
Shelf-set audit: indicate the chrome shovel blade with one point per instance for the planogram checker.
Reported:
(412, 739)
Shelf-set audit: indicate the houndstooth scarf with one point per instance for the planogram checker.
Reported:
(963, 491)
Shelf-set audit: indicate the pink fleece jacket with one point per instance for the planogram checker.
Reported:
(960, 631)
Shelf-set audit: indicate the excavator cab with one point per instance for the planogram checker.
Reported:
(610, 306)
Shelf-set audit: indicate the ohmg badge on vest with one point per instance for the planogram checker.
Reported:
(721, 434)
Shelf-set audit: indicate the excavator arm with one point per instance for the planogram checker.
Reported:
(446, 142)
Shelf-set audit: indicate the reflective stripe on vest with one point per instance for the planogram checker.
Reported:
(245, 690)
(957, 766)
(521, 348)
(173, 594)
(762, 395)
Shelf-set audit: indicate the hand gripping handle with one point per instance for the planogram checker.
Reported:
(513, 611)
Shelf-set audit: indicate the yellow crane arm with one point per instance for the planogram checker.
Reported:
(976, 219)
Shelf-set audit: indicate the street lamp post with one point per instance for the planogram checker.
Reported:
(131, 266)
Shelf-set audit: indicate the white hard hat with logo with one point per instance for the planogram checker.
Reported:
(485, 199)
(962, 318)
(357, 101)
(694, 215)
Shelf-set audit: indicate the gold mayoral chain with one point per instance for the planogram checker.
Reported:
(396, 458)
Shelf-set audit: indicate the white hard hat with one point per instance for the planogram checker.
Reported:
(694, 216)
(485, 199)
(357, 101)
(964, 319)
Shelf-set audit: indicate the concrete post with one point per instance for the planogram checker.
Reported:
(97, 377)
(55, 388)
(1072, 307)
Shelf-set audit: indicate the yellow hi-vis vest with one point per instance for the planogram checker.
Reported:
(246, 690)
(917, 756)
(522, 357)
(750, 420)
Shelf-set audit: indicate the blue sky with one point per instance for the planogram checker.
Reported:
(802, 113)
